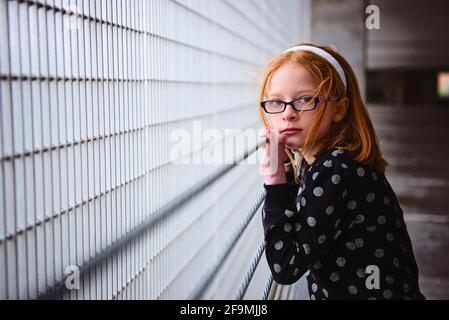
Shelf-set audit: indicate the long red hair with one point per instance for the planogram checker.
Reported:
(355, 132)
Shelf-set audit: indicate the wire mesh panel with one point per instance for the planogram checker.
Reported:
(91, 92)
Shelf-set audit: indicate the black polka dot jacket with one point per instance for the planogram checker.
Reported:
(343, 227)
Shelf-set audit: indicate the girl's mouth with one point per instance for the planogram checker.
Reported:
(291, 131)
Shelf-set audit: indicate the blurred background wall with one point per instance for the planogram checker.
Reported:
(402, 67)
(342, 25)
(410, 55)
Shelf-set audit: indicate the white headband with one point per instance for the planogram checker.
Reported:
(328, 57)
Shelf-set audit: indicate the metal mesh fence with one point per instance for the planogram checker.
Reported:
(90, 92)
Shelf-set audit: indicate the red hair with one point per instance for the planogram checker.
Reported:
(355, 132)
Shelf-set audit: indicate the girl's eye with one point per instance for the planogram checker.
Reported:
(305, 99)
(302, 102)
(275, 103)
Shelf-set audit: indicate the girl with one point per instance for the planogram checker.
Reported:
(332, 214)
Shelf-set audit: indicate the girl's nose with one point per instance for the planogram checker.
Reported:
(290, 113)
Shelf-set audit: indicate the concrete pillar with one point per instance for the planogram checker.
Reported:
(342, 23)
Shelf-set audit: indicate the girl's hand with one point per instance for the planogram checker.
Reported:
(272, 163)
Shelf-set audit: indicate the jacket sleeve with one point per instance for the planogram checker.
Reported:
(299, 229)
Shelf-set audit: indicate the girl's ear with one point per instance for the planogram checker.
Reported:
(340, 109)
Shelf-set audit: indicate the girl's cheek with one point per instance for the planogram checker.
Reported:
(274, 123)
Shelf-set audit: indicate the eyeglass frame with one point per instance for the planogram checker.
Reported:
(316, 101)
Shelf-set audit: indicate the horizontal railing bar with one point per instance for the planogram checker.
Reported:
(12, 77)
(202, 285)
(54, 215)
(161, 213)
(144, 32)
(198, 252)
(250, 272)
(120, 133)
(266, 292)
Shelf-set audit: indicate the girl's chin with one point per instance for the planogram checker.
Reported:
(294, 142)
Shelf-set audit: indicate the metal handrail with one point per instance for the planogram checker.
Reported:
(202, 285)
(249, 274)
(268, 287)
(58, 288)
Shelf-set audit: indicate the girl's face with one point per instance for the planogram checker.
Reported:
(290, 82)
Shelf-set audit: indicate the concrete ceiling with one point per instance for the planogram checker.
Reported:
(414, 34)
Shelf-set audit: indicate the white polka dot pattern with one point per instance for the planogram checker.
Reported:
(288, 227)
(306, 248)
(379, 253)
(352, 204)
(321, 239)
(318, 191)
(289, 213)
(292, 260)
(336, 179)
(311, 221)
(277, 268)
(359, 243)
(341, 262)
(360, 172)
(389, 279)
(334, 277)
(352, 290)
(361, 273)
(341, 219)
(350, 246)
(388, 294)
(279, 245)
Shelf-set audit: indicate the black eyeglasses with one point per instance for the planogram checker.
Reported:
(305, 103)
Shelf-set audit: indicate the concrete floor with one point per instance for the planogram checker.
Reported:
(415, 142)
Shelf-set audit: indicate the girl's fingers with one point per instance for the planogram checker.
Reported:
(265, 134)
(282, 137)
(279, 139)
(262, 133)
(267, 148)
